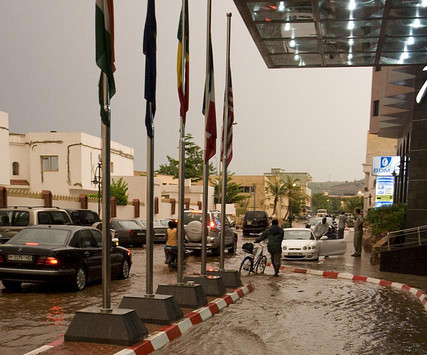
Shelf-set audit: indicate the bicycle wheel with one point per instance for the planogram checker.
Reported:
(246, 266)
(261, 265)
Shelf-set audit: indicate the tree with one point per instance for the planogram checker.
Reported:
(352, 203)
(233, 190)
(320, 200)
(119, 190)
(280, 189)
(277, 188)
(193, 162)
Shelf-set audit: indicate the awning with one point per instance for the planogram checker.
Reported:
(337, 33)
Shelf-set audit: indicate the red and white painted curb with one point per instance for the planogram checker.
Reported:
(420, 294)
(170, 332)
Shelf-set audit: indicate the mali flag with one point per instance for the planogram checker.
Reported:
(183, 70)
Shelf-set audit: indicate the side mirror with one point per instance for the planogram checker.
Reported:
(324, 237)
(232, 224)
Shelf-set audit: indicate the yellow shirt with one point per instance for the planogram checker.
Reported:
(172, 237)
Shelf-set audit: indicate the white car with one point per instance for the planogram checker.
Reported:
(300, 244)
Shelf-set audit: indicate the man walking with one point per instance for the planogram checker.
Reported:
(358, 233)
(274, 244)
(342, 219)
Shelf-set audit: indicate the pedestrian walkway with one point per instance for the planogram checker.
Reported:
(358, 266)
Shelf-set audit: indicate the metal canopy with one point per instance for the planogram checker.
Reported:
(337, 33)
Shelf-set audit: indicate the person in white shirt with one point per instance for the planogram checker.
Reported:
(342, 219)
(321, 228)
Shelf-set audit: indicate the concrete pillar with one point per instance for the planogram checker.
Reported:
(199, 205)
(173, 206)
(3, 196)
(83, 201)
(47, 198)
(135, 203)
(113, 207)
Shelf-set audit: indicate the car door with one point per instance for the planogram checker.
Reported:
(91, 253)
(116, 258)
(229, 232)
(329, 247)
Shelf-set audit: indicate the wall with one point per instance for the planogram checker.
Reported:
(4, 149)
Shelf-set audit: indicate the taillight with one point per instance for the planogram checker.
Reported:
(129, 253)
(129, 233)
(212, 224)
(1, 259)
(47, 260)
(31, 243)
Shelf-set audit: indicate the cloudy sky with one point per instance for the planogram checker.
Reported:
(312, 120)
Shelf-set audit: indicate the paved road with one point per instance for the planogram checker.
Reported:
(295, 313)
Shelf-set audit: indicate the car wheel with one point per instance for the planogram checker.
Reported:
(12, 285)
(80, 279)
(124, 271)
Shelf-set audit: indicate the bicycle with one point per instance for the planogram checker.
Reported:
(249, 263)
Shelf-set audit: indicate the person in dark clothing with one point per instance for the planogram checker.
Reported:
(274, 244)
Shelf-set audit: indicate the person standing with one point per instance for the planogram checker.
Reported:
(342, 219)
(358, 233)
(274, 244)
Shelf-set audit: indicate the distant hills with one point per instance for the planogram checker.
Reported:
(337, 188)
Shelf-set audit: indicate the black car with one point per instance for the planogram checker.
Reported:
(254, 222)
(58, 254)
(158, 228)
(83, 217)
(128, 232)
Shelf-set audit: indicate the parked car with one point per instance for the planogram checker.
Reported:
(193, 232)
(300, 244)
(332, 225)
(15, 219)
(254, 222)
(128, 232)
(159, 229)
(58, 254)
(83, 217)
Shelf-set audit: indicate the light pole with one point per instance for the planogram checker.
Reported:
(97, 182)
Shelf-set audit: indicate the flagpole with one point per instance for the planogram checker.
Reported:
(206, 165)
(181, 172)
(150, 208)
(106, 234)
(225, 144)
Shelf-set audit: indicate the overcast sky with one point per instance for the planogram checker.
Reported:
(312, 120)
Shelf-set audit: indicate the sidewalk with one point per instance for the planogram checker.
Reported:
(359, 266)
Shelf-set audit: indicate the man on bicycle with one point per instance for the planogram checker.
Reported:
(274, 244)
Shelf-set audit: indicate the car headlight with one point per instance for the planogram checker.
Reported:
(285, 248)
(304, 248)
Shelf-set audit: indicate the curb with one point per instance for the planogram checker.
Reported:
(419, 294)
(170, 332)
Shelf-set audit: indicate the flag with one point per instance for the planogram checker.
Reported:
(149, 49)
(229, 141)
(104, 26)
(183, 78)
(209, 102)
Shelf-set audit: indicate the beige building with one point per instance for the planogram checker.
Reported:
(258, 196)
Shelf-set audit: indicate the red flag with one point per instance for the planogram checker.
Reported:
(209, 102)
(229, 141)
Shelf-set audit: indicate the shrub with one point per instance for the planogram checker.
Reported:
(387, 218)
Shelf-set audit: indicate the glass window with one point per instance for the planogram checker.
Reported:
(20, 218)
(192, 216)
(376, 107)
(59, 217)
(89, 217)
(5, 218)
(44, 218)
(86, 240)
(49, 163)
(40, 236)
(15, 168)
(297, 235)
(129, 225)
(98, 237)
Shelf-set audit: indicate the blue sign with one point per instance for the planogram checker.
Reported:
(384, 191)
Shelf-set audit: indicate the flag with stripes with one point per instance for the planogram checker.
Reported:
(228, 107)
(183, 71)
(209, 103)
(104, 26)
(149, 49)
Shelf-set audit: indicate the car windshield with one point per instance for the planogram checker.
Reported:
(129, 225)
(35, 236)
(297, 235)
(164, 222)
(156, 223)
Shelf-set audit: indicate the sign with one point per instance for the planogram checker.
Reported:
(385, 166)
(384, 191)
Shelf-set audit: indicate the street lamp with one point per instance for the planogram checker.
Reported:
(97, 182)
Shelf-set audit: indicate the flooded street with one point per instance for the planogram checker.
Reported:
(293, 314)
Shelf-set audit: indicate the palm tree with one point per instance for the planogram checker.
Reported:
(277, 188)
